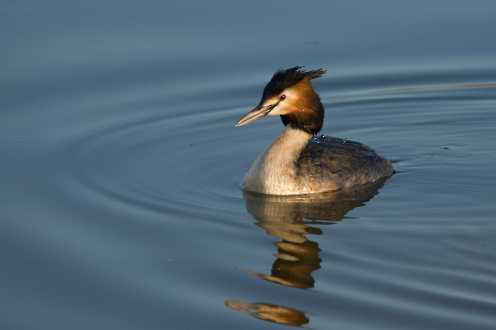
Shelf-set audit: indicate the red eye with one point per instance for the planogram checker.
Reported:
(283, 97)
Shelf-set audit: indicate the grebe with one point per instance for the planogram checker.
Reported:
(299, 162)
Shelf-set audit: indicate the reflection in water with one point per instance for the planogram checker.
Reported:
(294, 264)
(290, 219)
(269, 312)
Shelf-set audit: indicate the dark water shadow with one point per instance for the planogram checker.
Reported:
(292, 219)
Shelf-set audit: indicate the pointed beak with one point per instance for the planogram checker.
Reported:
(259, 111)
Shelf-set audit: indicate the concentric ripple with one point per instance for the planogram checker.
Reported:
(190, 159)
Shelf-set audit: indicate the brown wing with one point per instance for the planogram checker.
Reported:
(342, 163)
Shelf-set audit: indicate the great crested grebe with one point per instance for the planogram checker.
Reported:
(299, 162)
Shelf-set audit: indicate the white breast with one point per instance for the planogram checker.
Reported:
(273, 172)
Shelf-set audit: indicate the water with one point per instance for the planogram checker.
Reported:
(121, 206)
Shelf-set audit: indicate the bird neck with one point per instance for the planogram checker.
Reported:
(274, 171)
(288, 146)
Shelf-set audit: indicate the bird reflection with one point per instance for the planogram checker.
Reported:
(270, 312)
(292, 219)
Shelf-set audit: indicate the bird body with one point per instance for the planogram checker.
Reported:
(299, 162)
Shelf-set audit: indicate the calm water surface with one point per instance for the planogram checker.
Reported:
(121, 205)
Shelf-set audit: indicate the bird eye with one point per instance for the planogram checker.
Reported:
(282, 97)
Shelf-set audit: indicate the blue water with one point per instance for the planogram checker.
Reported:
(121, 204)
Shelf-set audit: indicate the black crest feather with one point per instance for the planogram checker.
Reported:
(284, 78)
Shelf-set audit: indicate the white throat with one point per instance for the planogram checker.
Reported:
(274, 171)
